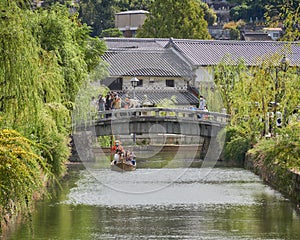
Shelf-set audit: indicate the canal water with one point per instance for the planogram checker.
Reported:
(167, 203)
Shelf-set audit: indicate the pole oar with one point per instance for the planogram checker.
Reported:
(111, 144)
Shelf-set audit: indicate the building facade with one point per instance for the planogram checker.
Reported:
(182, 65)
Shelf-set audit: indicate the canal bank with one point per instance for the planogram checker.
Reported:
(284, 180)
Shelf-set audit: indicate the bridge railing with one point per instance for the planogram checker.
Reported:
(186, 114)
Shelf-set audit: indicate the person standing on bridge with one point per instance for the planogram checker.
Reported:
(101, 103)
(117, 102)
(202, 103)
(107, 105)
(126, 102)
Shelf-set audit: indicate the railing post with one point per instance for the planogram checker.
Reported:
(195, 116)
(224, 111)
(157, 113)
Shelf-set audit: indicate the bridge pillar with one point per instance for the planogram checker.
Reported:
(204, 147)
(210, 152)
(83, 142)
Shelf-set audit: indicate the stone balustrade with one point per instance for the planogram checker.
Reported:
(186, 114)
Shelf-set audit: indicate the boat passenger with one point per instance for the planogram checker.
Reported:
(130, 157)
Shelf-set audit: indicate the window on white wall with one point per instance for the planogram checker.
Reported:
(140, 83)
(170, 83)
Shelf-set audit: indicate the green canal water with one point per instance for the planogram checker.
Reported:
(166, 203)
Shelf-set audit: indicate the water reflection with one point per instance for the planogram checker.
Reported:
(225, 204)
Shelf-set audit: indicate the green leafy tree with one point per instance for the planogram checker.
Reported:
(22, 173)
(247, 92)
(210, 15)
(277, 13)
(99, 14)
(175, 18)
(285, 14)
(20, 69)
(46, 57)
(111, 32)
(124, 5)
(227, 74)
(77, 53)
(47, 3)
(247, 10)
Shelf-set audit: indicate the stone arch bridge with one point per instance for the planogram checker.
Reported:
(205, 125)
(156, 121)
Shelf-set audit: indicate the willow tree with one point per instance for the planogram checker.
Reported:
(76, 55)
(226, 76)
(175, 18)
(19, 69)
(46, 56)
(248, 93)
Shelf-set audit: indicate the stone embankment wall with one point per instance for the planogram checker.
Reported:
(284, 180)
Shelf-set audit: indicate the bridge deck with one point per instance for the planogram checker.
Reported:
(156, 120)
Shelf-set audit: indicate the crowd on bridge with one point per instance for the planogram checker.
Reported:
(113, 101)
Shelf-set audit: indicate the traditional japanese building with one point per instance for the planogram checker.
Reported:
(181, 67)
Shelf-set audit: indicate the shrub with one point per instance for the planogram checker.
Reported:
(237, 143)
(22, 172)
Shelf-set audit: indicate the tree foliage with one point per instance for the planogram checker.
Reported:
(248, 10)
(125, 5)
(210, 15)
(99, 14)
(174, 18)
(111, 32)
(285, 14)
(247, 92)
(46, 55)
(280, 153)
(22, 172)
(276, 13)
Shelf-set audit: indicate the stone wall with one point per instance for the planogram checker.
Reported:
(284, 180)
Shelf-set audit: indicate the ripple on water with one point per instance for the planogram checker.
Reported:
(169, 187)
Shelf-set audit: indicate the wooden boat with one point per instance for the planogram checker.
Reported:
(120, 164)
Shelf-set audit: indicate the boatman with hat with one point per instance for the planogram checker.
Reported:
(117, 148)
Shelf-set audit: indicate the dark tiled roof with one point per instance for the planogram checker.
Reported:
(183, 97)
(256, 36)
(212, 52)
(164, 63)
(135, 43)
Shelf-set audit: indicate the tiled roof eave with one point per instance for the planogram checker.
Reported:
(148, 63)
(146, 75)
